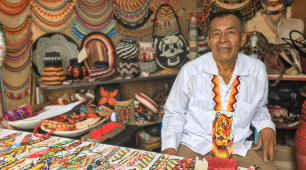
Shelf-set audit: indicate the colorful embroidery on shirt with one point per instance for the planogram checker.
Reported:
(223, 140)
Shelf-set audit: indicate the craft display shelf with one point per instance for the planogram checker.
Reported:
(299, 77)
(157, 75)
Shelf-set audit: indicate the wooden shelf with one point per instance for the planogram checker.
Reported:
(285, 127)
(299, 77)
(157, 75)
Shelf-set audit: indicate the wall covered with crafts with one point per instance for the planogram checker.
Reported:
(31, 26)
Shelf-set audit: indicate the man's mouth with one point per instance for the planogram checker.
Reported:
(224, 49)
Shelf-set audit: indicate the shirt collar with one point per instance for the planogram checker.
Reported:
(240, 68)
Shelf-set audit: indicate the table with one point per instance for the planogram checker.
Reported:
(21, 150)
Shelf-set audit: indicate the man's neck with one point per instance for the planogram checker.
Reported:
(226, 69)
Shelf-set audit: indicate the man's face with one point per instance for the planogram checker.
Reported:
(225, 38)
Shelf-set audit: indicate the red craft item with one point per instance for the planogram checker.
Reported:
(98, 133)
(221, 164)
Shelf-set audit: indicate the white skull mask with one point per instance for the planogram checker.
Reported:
(171, 46)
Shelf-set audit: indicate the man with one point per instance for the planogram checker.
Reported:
(216, 98)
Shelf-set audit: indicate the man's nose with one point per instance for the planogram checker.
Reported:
(223, 37)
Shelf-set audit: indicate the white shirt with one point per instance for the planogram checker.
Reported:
(188, 110)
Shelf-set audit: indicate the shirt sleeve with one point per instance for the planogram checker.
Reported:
(262, 118)
(175, 112)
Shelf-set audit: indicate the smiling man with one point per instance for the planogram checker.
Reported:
(217, 97)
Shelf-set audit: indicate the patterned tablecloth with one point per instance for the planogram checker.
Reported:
(21, 150)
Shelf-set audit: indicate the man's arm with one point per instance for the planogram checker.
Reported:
(266, 128)
(175, 115)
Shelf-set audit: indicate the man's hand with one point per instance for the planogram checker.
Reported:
(169, 151)
(268, 138)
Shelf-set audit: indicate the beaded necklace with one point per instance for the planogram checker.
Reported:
(133, 24)
(133, 14)
(48, 26)
(18, 92)
(89, 19)
(15, 57)
(13, 31)
(138, 34)
(67, 8)
(52, 7)
(16, 46)
(110, 31)
(127, 5)
(17, 69)
(96, 19)
(13, 9)
(89, 13)
(93, 6)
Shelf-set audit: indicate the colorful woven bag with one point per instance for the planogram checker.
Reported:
(53, 73)
(127, 50)
(128, 68)
(101, 71)
(146, 51)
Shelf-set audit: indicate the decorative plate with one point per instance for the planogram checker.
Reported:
(74, 133)
(100, 48)
(24, 124)
(51, 42)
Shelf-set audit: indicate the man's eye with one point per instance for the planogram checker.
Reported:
(230, 32)
(215, 33)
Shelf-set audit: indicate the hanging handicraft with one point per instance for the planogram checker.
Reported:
(274, 11)
(178, 10)
(246, 8)
(45, 18)
(93, 17)
(54, 42)
(132, 14)
(17, 92)
(13, 9)
(202, 25)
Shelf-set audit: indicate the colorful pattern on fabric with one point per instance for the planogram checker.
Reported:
(222, 125)
(63, 153)
(145, 161)
(120, 154)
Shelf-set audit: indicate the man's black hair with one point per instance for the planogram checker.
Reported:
(224, 13)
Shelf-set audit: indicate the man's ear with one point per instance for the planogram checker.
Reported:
(208, 41)
(243, 38)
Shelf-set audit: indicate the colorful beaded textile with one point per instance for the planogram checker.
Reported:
(18, 69)
(164, 12)
(54, 6)
(139, 34)
(17, 92)
(26, 25)
(13, 9)
(132, 15)
(48, 21)
(17, 56)
(93, 17)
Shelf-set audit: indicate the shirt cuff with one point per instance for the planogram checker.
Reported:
(169, 143)
(264, 124)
